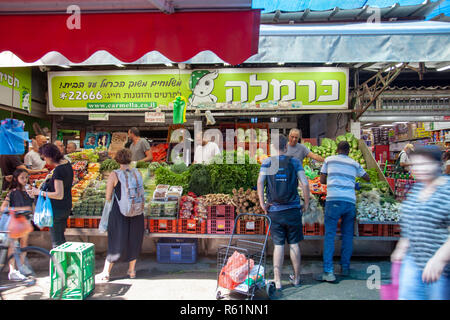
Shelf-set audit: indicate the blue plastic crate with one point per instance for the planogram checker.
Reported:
(176, 250)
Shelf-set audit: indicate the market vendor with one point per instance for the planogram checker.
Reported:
(283, 206)
(140, 148)
(33, 159)
(206, 150)
(339, 173)
(403, 162)
(71, 147)
(298, 150)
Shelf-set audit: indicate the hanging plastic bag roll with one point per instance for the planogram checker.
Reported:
(103, 225)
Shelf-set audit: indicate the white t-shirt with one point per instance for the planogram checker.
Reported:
(33, 160)
(204, 154)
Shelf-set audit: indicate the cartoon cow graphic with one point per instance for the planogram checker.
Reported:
(201, 84)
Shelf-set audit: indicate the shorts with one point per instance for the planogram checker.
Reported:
(286, 226)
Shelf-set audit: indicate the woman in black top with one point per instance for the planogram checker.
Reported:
(18, 199)
(58, 187)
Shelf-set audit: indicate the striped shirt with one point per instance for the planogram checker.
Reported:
(426, 224)
(341, 171)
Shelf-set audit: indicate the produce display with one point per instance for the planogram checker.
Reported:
(246, 201)
(90, 155)
(109, 165)
(374, 206)
(328, 147)
(159, 152)
(186, 192)
(92, 201)
(217, 199)
(192, 207)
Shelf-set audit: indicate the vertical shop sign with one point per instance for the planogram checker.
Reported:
(15, 88)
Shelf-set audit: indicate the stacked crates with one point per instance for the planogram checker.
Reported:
(220, 219)
(77, 260)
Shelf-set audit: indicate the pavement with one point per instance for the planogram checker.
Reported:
(156, 281)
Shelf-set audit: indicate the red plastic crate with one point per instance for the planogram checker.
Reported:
(370, 230)
(221, 212)
(191, 226)
(391, 230)
(247, 226)
(77, 223)
(315, 229)
(220, 226)
(162, 226)
(93, 222)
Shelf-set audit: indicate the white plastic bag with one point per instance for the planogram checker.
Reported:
(103, 225)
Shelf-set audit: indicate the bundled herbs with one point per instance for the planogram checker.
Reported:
(163, 175)
(179, 167)
(226, 177)
(109, 165)
(153, 166)
(142, 164)
(200, 182)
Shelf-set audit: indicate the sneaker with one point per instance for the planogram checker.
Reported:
(326, 276)
(16, 276)
(26, 270)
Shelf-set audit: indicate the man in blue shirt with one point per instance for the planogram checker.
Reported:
(282, 173)
(339, 173)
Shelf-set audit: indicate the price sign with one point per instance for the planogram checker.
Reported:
(155, 117)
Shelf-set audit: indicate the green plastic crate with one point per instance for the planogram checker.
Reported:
(78, 263)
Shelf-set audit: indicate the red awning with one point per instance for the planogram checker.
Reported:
(232, 36)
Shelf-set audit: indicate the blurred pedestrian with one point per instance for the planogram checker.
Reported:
(283, 207)
(339, 173)
(446, 161)
(17, 199)
(125, 233)
(58, 187)
(424, 246)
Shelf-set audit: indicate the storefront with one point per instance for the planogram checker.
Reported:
(300, 77)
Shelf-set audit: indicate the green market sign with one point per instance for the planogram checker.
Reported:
(15, 88)
(305, 88)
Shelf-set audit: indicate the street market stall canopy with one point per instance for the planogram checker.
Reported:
(127, 36)
(358, 43)
(286, 11)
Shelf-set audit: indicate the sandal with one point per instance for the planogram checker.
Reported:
(102, 277)
(131, 274)
(291, 280)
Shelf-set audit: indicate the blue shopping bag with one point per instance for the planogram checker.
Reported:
(43, 213)
(12, 136)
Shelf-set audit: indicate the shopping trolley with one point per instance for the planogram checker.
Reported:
(241, 265)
